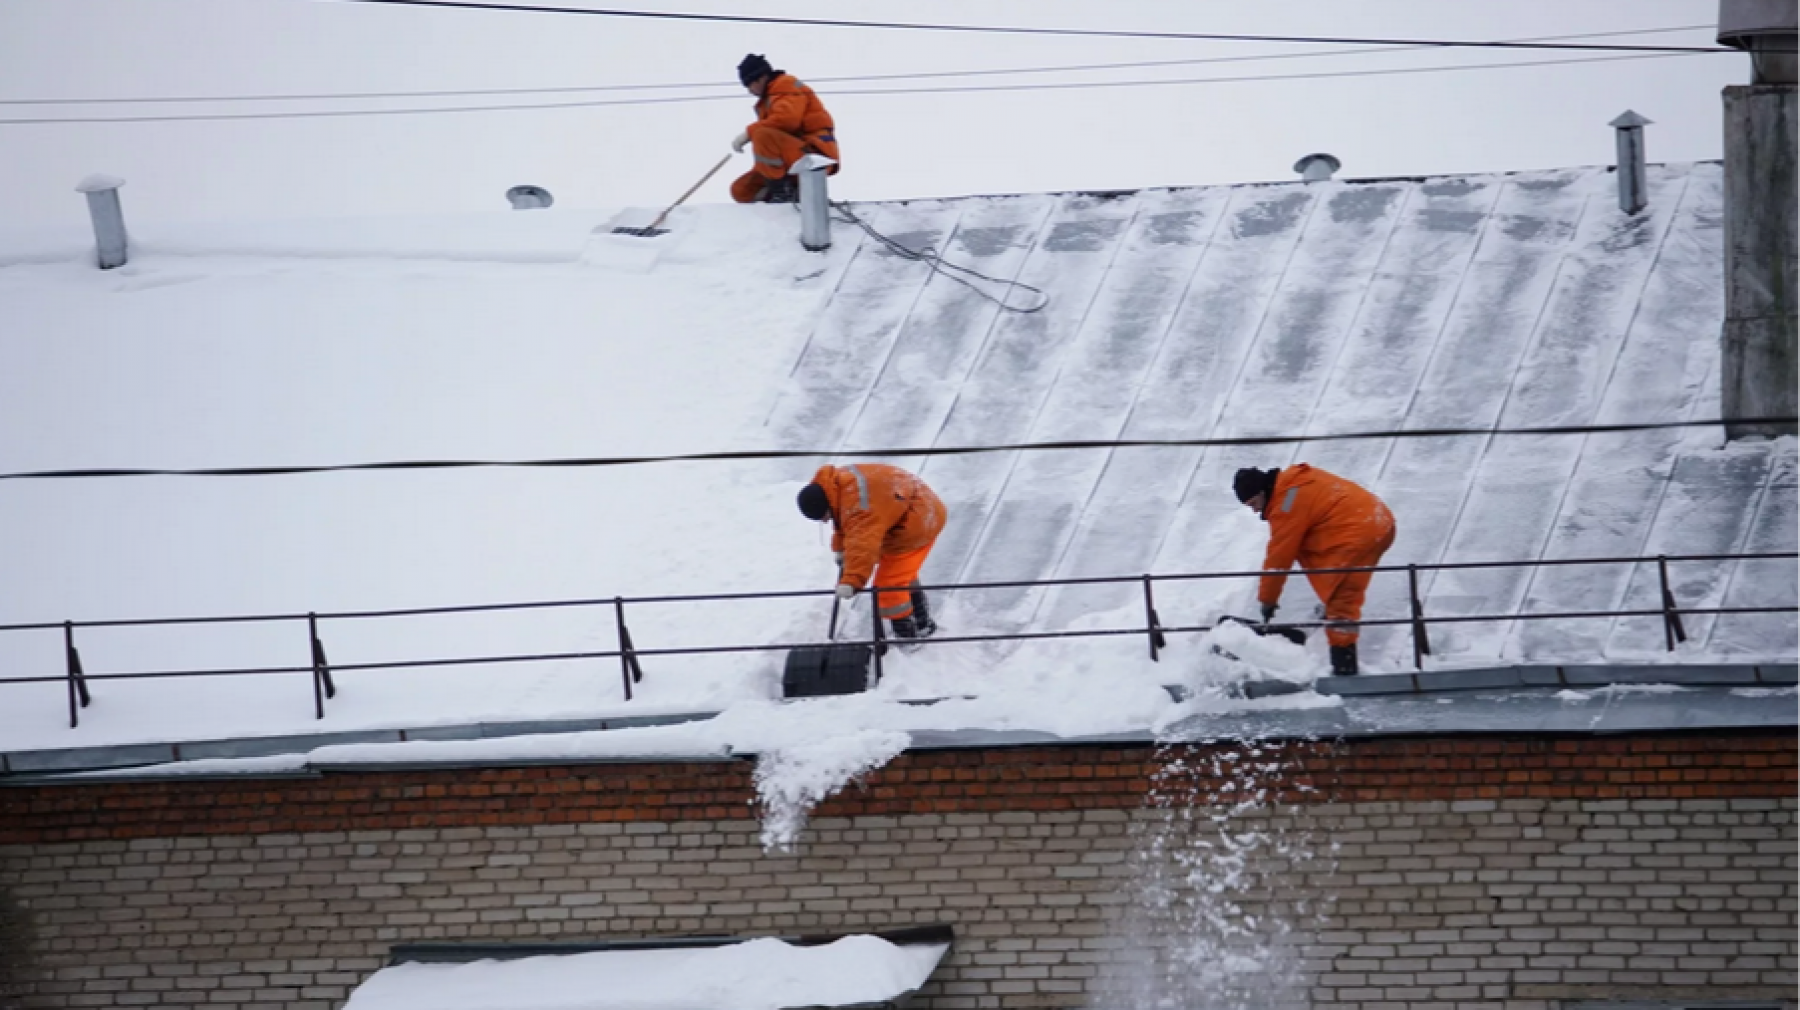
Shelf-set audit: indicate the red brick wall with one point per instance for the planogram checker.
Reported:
(1709, 766)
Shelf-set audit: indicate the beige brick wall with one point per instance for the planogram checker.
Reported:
(1503, 904)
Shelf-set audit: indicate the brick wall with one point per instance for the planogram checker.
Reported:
(1455, 872)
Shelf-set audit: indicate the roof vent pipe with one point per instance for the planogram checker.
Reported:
(1630, 137)
(1317, 167)
(815, 204)
(1766, 29)
(109, 221)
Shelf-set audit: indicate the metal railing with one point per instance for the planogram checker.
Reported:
(630, 656)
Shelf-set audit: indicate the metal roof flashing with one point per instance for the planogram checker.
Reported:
(1581, 700)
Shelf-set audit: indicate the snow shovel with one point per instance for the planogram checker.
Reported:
(1287, 631)
(654, 228)
(836, 668)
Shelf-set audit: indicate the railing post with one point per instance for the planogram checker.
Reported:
(877, 638)
(1672, 630)
(323, 687)
(1421, 641)
(78, 690)
(1157, 639)
(629, 669)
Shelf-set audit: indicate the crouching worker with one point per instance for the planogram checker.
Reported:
(1322, 521)
(884, 522)
(791, 122)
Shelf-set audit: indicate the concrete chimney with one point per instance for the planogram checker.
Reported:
(1758, 369)
(1317, 167)
(1630, 143)
(529, 197)
(109, 220)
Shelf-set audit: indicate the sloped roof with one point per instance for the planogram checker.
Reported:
(1523, 300)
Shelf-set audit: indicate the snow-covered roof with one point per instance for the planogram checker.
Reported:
(1521, 300)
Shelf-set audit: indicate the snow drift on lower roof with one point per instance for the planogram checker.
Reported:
(1326, 307)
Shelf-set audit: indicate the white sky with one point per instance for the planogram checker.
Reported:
(895, 146)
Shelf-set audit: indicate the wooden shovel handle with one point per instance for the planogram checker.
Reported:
(666, 211)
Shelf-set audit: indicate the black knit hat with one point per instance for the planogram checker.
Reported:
(1250, 482)
(752, 67)
(812, 503)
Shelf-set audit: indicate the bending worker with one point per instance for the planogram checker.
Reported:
(884, 522)
(790, 123)
(1323, 521)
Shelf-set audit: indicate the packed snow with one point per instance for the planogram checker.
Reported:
(760, 974)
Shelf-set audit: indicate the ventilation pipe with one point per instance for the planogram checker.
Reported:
(1317, 167)
(1758, 372)
(815, 204)
(529, 197)
(1766, 30)
(109, 220)
(1629, 127)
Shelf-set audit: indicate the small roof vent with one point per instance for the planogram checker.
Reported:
(1315, 167)
(529, 197)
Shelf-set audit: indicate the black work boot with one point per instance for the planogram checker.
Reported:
(1343, 660)
(783, 190)
(922, 614)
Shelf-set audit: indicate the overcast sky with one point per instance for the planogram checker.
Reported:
(914, 142)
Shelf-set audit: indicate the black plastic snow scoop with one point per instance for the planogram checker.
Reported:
(654, 228)
(834, 668)
(1287, 631)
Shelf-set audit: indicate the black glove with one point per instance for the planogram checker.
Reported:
(1268, 612)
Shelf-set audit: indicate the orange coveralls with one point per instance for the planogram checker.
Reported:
(1325, 521)
(790, 121)
(881, 518)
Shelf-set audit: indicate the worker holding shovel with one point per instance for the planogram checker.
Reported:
(791, 122)
(1322, 521)
(884, 522)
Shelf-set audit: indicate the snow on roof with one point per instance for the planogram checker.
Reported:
(759, 974)
(1514, 300)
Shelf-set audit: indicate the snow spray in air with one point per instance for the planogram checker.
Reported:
(1225, 892)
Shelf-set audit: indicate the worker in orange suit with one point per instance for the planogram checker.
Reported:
(1322, 521)
(884, 522)
(790, 123)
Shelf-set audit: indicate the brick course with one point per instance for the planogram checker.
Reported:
(1477, 872)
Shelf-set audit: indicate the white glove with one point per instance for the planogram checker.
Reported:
(845, 590)
(738, 142)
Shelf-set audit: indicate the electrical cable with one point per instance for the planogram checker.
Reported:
(944, 268)
(1015, 30)
(755, 454)
(599, 103)
(736, 91)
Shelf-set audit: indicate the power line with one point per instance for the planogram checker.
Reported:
(736, 91)
(1015, 30)
(755, 454)
(1065, 86)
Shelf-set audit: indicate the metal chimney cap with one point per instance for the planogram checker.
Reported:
(1628, 119)
(99, 184)
(1329, 161)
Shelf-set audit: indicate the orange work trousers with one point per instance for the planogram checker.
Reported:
(1343, 592)
(894, 579)
(775, 153)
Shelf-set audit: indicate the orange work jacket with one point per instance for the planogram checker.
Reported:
(877, 510)
(792, 107)
(1320, 520)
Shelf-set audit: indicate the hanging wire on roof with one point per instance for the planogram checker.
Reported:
(933, 259)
